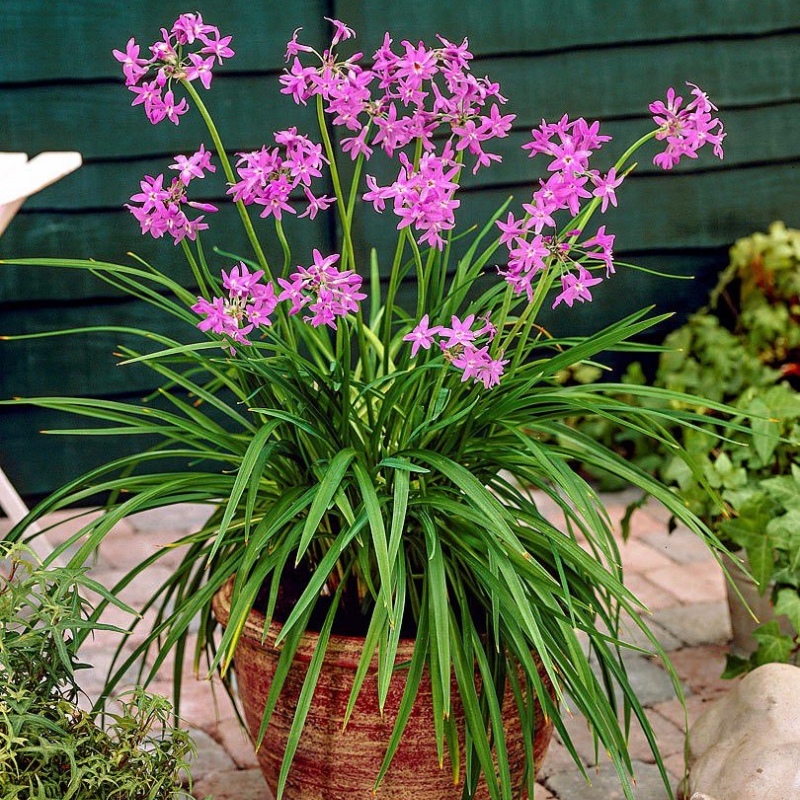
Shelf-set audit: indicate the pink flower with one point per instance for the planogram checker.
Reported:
(189, 27)
(459, 332)
(605, 188)
(133, 67)
(173, 110)
(316, 204)
(341, 31)
(422, 336)
(218, 47)
(576, 287)
(161, 210)
(247, 307)
(294, 48)
(195, 166)
(200, 68)
(512, 228)
(326, 291)
(686, 129)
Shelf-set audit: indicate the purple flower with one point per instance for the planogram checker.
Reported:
(326, 291)
(247, 307)
(133, 67)
(200, 68)
(686, 129)
(195, 166)
(172, 62)
(161, 210)
(605, 188)
(341, 31)
(459, 332)
(576, 287)
(422, 336)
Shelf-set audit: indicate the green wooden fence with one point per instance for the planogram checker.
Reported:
(60, 89)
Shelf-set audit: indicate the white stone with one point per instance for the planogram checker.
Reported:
(746, 746)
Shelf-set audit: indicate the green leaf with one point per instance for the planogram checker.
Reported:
(773, 646)
(735, 666)
(787, 603)
(328, 486)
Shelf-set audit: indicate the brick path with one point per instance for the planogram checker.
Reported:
(672, 573)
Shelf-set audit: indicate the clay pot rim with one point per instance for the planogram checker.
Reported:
(342, 651)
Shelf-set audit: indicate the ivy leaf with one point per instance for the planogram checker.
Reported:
(750, 531)
(788, 604)
(773, 646)
(735, 666)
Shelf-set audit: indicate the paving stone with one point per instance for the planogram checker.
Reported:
(180, 517)
(700, 668)
(698, 582)
(541, 793)
(673, 710)
(236, 742)
(605, 784)
(200, 707)
(696, 624)
(558, 759)
(245, 784)
(649, 681)
(676, 765)
(653, 596)
(210, 757)
(670, 739)
(638, 557)
(681, 545)
(631, 633)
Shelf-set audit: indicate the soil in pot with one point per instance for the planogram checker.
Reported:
(332, 764)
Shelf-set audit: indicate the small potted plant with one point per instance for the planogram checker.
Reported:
(49, 747)
(744, 349)
(400, 614)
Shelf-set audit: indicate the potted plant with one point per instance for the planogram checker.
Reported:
(399, 613)
(50, 748)
(744, 350)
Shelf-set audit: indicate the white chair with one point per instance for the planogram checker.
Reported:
(19, 179)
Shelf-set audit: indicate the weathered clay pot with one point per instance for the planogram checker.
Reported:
(742, 623)
(334, 765)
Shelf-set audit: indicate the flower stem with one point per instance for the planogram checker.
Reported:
(347, 248)
(228, 170)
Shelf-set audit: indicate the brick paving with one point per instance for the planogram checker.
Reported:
(671, 572)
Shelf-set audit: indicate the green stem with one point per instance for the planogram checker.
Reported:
(287, 253)
(584, 216)
(196, 271)
(347, 249)
(228, 170)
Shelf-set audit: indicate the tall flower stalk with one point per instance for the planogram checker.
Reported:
(379, 454)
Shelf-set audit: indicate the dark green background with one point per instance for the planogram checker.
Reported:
(60, 89)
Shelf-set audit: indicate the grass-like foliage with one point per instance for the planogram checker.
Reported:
(49, 748)
(385, 475)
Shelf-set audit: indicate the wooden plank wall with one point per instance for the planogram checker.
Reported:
(606, 59)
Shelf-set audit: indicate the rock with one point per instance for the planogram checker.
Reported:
(745, 747)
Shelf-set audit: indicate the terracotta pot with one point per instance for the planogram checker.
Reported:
(742, 623)
(334, 765)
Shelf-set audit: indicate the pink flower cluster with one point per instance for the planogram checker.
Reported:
(405, 80)
(326, 291)
(687, 129)
(247, 307)
(568, 145)
(461, 348)
(406, 97)
(162, 208)
(423, 197)
(171, 61)
(269, 175)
